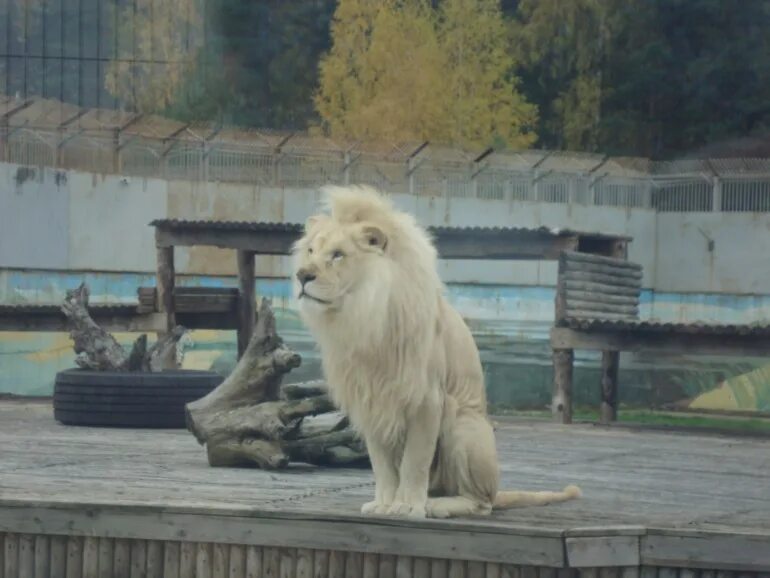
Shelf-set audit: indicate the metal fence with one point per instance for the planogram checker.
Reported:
(49, 133)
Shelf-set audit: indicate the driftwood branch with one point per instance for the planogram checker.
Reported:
(250, 420)
(98, 350)
(95, 348)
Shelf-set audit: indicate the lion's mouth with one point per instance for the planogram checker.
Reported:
(303, 293)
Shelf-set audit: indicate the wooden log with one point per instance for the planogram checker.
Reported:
(611, 270)
(325, 423)
(95, 348)
(601, 297)
(244, 423)
(306, 389)
(255, 379)
(234, 453)
(337, 448)
(604, 289)
(609, 386)
(616, 261)
(561, 405)
(574, 305)
(572, 314)
(602, 279)
(246, 299)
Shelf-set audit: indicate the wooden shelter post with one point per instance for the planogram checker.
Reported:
(609, 382)
(561, 406)
(165, 296)
(246, 299)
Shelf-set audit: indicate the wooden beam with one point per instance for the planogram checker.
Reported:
(609, 386)
(464, 540)
(561, 404)
(259, 242)
(704, 549)
(523, 245)
(602, 551)
(246, 300)
(57, 323)
(693, 343)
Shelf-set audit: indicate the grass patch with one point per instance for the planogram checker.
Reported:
(660, 419)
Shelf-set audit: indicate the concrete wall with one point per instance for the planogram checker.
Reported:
(64, 220)
(736, 262)
(60, 228)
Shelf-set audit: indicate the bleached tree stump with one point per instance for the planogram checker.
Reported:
(250, 420)
(98, 350)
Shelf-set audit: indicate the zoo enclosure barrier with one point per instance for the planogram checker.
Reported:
(39, 132)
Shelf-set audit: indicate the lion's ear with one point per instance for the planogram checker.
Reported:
(372, 238)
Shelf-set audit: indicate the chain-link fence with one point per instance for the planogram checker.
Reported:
(49, 133)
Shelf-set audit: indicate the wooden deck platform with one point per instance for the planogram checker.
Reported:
(88, 502)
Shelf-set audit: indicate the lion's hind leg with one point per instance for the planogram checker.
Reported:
(466, 476)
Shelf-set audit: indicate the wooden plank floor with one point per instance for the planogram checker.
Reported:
(650, 479)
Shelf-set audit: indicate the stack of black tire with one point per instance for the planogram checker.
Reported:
(129, 399)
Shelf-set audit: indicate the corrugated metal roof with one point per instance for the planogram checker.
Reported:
(443, 230)
(227, 225)
(758, 328)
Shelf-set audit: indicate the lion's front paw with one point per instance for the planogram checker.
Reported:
(405, 510)
(374, 508)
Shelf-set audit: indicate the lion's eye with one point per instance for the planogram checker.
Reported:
(310, 250)
(337, 255)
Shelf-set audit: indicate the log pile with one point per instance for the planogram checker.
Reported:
(250, 420)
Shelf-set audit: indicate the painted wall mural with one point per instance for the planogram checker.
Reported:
(509, 323)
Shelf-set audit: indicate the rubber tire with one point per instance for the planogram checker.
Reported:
(128, 399)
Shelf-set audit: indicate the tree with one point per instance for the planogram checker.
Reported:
(482, 104)
(247, 63)
(156, 52)
(405, 70)
(562, 47)
(645, 77)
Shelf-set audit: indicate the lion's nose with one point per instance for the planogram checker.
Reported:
(305, 276)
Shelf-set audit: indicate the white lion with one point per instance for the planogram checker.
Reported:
(400, 361)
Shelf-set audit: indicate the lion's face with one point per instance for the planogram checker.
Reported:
(334, 261)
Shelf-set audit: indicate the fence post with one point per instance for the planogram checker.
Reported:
(412, 164)
(116, 157)
(716, 194)
(346, 168)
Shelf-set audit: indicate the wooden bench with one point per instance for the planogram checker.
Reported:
(597, 308)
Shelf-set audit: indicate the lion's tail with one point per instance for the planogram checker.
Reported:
(513, 499)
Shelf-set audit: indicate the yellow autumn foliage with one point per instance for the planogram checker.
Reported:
(157, 46)
(403, 70)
